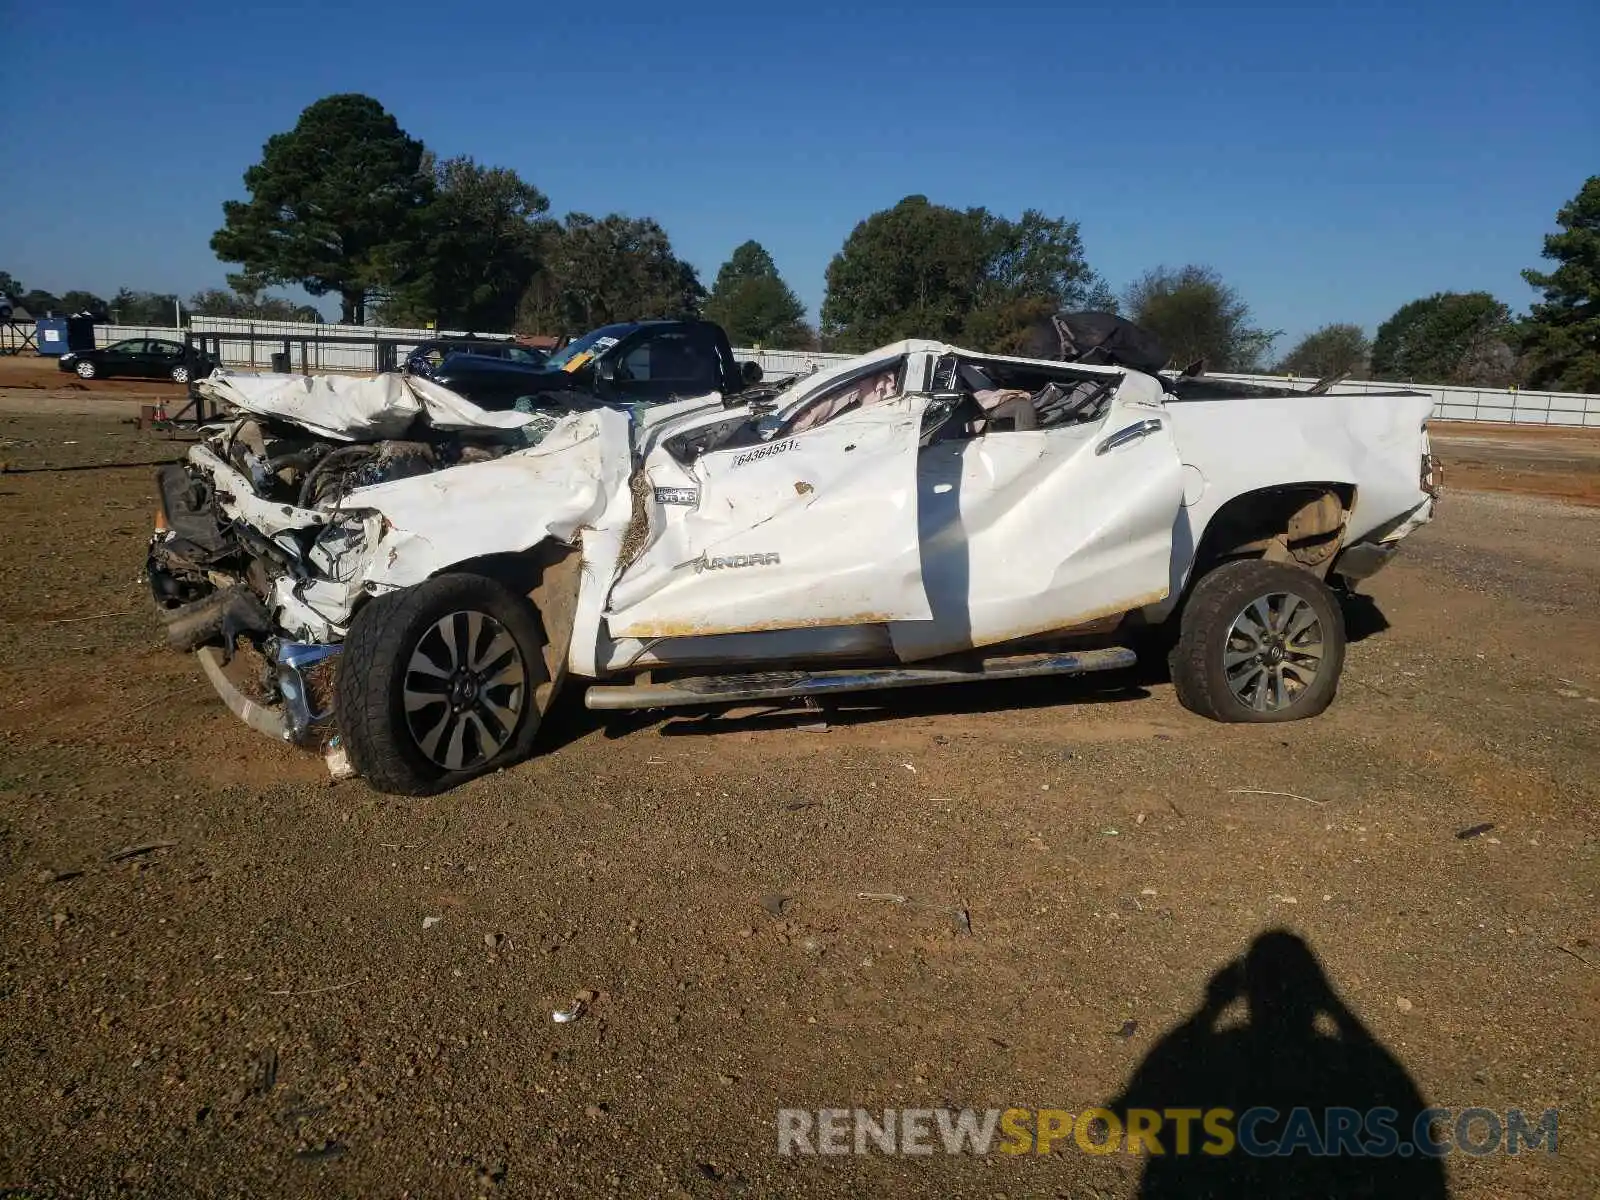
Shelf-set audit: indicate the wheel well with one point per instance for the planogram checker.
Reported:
(549, 575)
(519, 570)
(1298, 523)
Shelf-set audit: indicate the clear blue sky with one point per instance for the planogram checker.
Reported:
(1331, 160)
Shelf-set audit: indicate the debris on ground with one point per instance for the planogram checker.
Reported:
(1574, 953)
(331, 987)
(328, 1150)
(338, 761)
(1264, 792)
(583, 1000)
(137, 849)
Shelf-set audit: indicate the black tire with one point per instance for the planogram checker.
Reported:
(376, 676)
(1267, 681)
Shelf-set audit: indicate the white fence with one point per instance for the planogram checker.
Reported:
(320, 356)
(104, 335)
(1449, 403)
(1470, 403)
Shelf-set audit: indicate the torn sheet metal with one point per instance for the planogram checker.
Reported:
(1370, 443)
(353, 408)
(237, 498)
(499, 506)
(813, 528)
(1024, 532)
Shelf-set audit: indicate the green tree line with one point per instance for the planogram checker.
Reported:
(347, 204)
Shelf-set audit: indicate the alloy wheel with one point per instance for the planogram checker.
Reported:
(1273, 651)
(465, 689)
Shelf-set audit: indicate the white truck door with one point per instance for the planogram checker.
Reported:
(1032, 531)
(811, 528)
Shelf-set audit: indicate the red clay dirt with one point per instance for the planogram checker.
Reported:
(45, 374)
(1543, 460)
(222, 975)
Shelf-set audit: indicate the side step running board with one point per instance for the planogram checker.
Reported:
(774, 685)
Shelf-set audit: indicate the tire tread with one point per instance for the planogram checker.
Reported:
(367, 682)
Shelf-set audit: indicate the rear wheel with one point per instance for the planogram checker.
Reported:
(180, 374)
(1260, 641)
(85, 369)
(438, 684)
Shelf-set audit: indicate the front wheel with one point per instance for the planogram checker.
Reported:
(180, 374)
(439, 683)
(1260, 641)
(85, 369)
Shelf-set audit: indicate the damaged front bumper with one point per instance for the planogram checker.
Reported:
(261, 591)
(307, 701)
(292, 703)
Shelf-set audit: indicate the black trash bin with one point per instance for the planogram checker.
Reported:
(280, 362)
(80, 333)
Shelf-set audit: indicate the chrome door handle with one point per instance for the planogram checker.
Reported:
(1131, 433)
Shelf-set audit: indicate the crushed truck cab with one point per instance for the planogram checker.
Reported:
(921, 514)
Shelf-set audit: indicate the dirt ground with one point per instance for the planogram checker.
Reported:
(28, 374)
(224, 976)
(1543, 460)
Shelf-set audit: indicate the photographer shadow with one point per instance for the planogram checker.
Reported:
(1301, 1048)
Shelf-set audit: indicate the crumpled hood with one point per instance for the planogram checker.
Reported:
(356, 408)
(504, 505)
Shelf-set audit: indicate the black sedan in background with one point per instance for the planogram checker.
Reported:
(141, 358)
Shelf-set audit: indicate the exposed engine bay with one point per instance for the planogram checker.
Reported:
(260, 513)
(202, 550)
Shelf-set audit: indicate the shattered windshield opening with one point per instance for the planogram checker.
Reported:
(579, 352)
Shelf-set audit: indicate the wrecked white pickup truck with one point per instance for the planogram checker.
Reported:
(921, 514)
